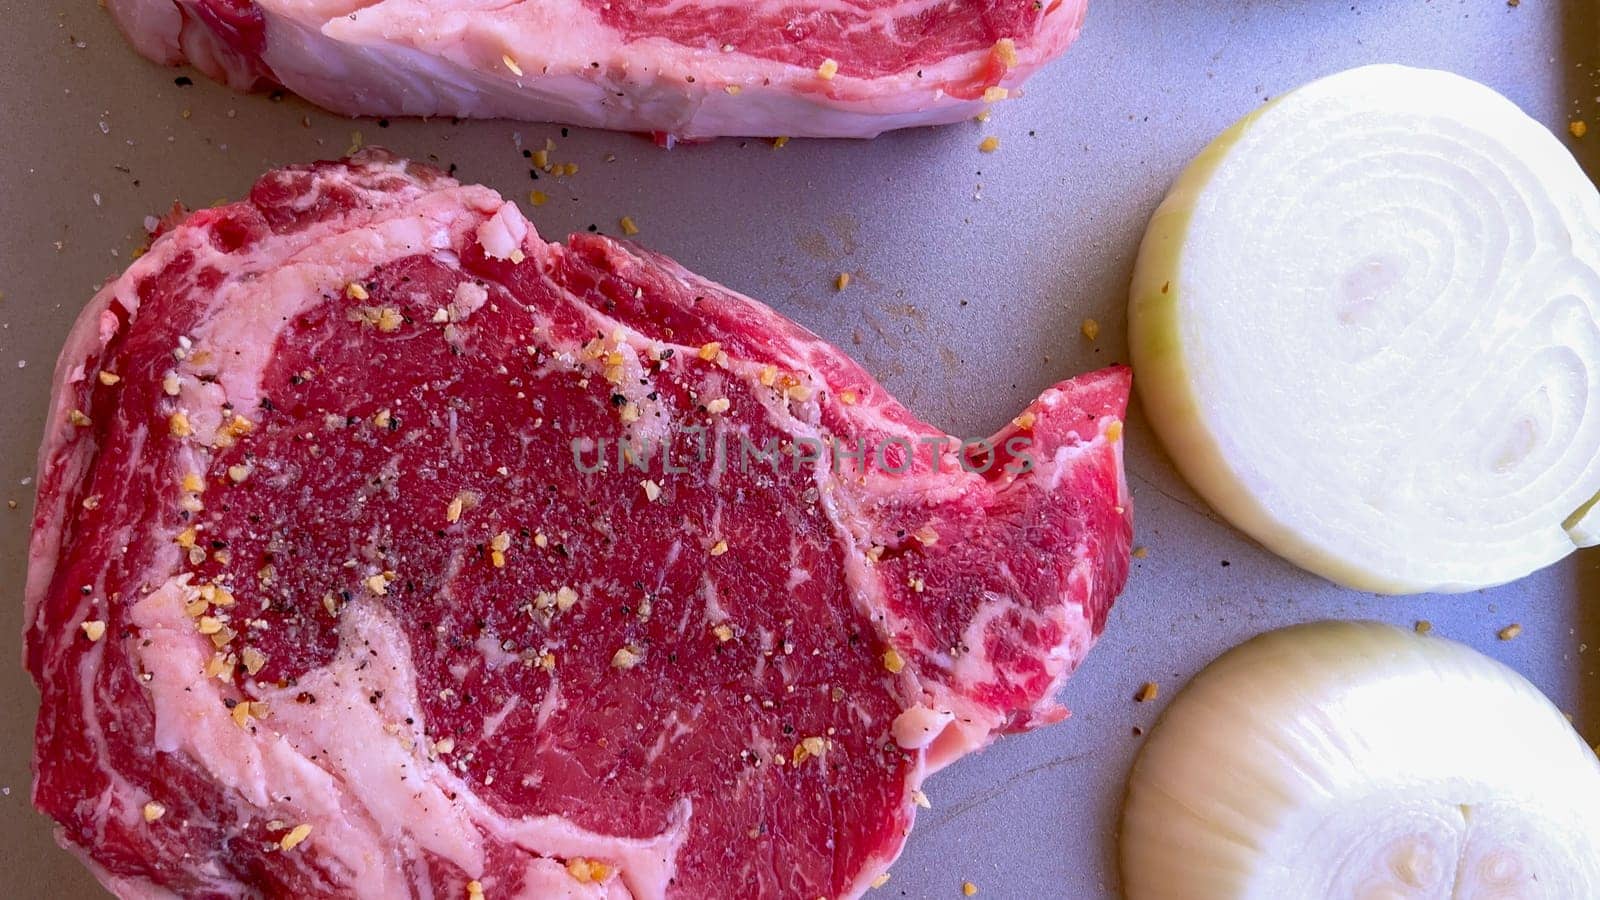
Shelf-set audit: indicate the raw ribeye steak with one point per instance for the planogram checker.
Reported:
(384, 550)
(700, 68)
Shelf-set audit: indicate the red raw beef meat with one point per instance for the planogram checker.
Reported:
(694, 69)
(331, 596)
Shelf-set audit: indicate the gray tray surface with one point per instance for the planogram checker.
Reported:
(971, 276)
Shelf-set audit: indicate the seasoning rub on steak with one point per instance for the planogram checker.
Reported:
(694, 69)
(331, 595)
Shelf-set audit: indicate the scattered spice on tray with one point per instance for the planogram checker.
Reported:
(841, 282)
(968, 889)
(990, 144)
(1090, 329)
(1423, 626)
(1147, 693)
(1578, 127)
(1510, 632)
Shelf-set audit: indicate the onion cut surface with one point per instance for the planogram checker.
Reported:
(1364, 323)
(1357, 761)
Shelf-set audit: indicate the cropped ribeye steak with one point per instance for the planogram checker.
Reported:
(329, 596)
(700, 68)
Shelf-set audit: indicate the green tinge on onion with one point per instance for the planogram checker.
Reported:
(1357, 761)
(1364, 324)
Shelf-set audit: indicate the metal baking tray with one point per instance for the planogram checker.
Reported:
(971, 276)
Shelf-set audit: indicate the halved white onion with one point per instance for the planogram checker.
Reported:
(1364, 324)
(1357, 761)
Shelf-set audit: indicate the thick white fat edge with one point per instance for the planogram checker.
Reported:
(1158, 346)
(64, 459)
(302, 269)
(381, 61)
(356, 773)
(322, 260)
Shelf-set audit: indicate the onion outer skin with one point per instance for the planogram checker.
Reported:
(1356, 760)
(1526, 519)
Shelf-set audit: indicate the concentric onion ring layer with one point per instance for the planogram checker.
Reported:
(1341, 760)
(1365, 323)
